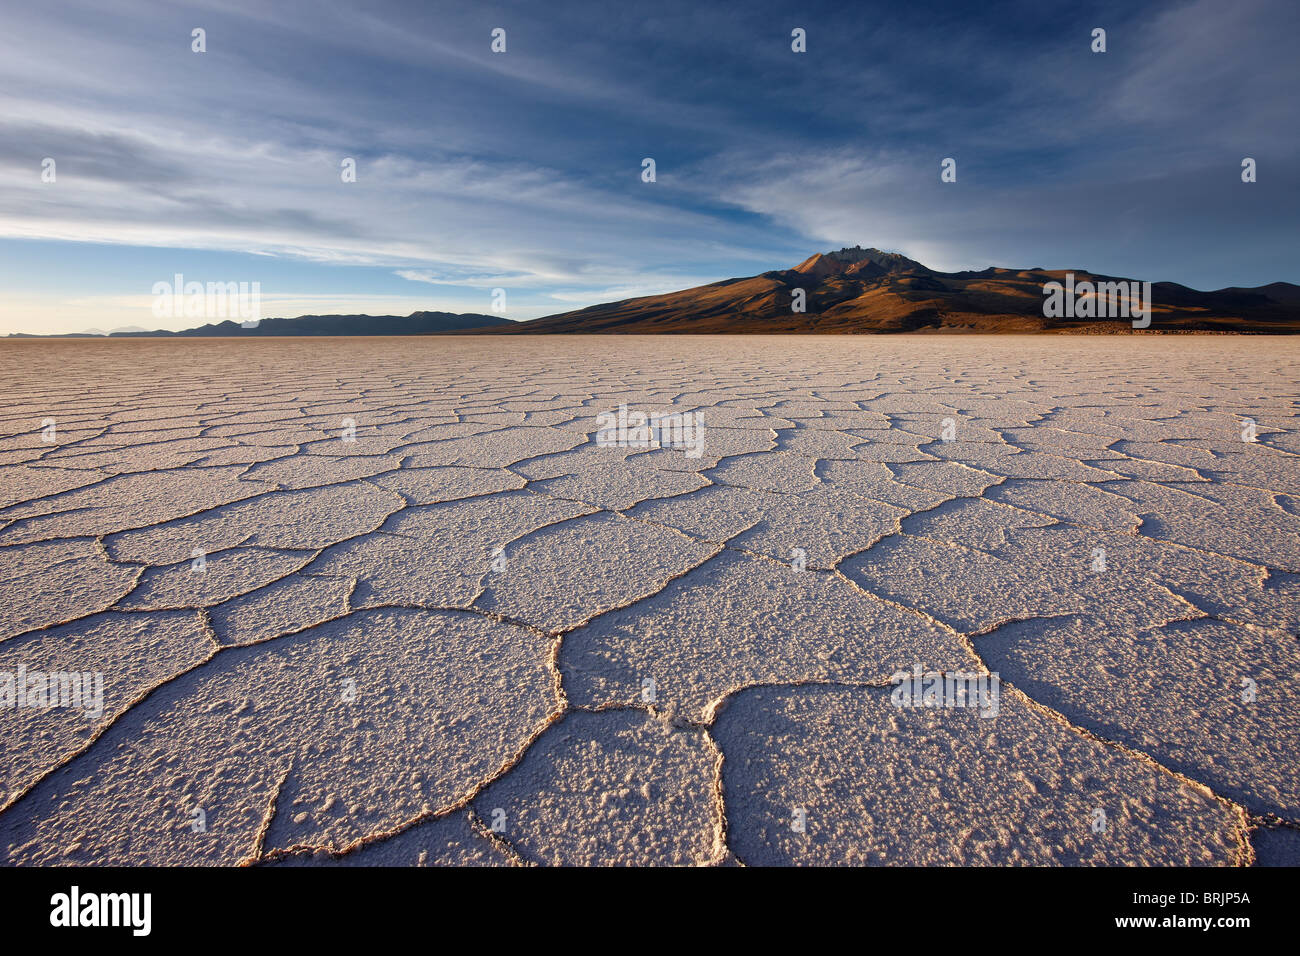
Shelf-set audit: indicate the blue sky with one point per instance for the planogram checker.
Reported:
(522, 170)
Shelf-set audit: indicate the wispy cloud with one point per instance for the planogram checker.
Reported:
(522, 170)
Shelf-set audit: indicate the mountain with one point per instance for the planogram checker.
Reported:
(866, 290)
(83, 334)
(847, 291)
(417, 323)
(120, 328)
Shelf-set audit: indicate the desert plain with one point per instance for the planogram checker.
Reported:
(388, 601)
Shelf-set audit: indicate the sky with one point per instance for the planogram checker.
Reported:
(522, 170)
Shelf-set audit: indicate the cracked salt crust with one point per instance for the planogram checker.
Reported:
(438, 624)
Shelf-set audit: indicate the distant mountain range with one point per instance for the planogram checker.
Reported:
(417, 323)
(848, 291)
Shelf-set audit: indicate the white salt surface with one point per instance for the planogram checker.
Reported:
(436, 622)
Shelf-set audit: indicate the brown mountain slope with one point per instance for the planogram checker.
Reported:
(866, 290)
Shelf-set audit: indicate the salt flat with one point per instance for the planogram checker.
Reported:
(389, 601)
